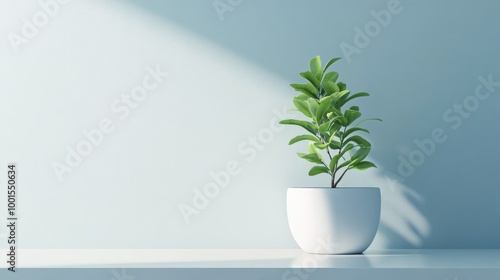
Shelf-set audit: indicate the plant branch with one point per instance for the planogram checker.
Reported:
(329, 172)
(333, 184)
(327, 151)
(341, 176)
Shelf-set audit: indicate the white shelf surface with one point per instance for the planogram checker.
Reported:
(384, 259)
(253, 265)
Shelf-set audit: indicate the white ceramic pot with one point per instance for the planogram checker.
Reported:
(333, 220)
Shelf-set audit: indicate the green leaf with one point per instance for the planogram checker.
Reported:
(308, 75)
(311, 148)
(307, 89)
(337, 121)
(319, 75)
(302, 97)
(315, 64)
(305, 124)
(342, 101)
(363, 165)
(303, 107)
(344, 164)
(325, 126)
(313, 104)
(333, 60)
(320, 146)
(324, 103)
(341, 94)
(354, 129)
(358, 140)
(371, 119)
(335, 131)
(351, 115)
(335, 112)
(356, 95)
(347, 148)
(336, 158)
(302, 138)
(318, 170)
(341, 120)
(334, 161)
(334, 145)
(331, 76)
(342, 86)
(330, 87)
(311, 157)
(360, 154)
(340, 134)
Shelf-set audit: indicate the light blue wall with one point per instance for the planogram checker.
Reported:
(227, 74)
(427, 58)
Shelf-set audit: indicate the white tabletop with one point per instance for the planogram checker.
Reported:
(240, 258)
(253, 264)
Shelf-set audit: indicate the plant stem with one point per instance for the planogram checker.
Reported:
(328, 151)
(338, 181)
(333, 184)
(330, 156)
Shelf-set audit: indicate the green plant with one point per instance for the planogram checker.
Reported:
(331, 129)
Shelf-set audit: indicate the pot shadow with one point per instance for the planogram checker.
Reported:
(311, 261)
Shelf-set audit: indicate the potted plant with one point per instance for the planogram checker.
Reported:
(332, 220)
